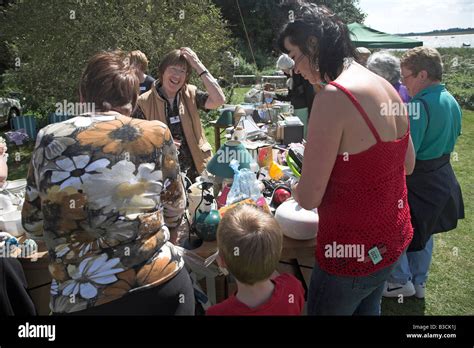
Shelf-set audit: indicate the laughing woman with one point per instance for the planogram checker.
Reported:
(176, 103)
(103, 192)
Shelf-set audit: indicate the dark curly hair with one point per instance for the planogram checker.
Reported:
(332, 36)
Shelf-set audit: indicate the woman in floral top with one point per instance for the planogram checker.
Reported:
(103, 192)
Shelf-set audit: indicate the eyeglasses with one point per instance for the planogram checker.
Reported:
(407, 76)
(177, 71)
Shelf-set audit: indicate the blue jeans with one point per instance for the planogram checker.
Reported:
(413, 266)
(339, 295)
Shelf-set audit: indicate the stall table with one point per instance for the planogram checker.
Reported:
(38, 277)
(217, 133)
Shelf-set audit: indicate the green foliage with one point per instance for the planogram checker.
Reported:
(348, 11)
(19, 159)
(239, 95)
(269, 70)
(6, 59)
(458, 73)
(265, 60)
(265, 18)
(242, 67)
(55, 39)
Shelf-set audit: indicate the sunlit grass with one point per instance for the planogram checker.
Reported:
(449, 288)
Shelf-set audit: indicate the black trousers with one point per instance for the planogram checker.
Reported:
(175, 297)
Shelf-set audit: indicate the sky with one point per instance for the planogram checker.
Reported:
(404, 16)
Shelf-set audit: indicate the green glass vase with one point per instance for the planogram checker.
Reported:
(206, 225)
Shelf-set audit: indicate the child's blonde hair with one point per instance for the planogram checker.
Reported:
(250, 242)
(138, 59)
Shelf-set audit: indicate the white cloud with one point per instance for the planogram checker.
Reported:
(402, 16)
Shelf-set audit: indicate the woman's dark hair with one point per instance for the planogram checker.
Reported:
(110, 82)
(333, 42)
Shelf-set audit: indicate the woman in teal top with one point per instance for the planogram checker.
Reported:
(434, 194)
(438, 126)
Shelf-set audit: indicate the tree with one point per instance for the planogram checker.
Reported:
(54, 39)
(348, 10)
(265, 18)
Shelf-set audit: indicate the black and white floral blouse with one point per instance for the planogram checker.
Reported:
(102, 192)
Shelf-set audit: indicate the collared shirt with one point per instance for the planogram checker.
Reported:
(434, 131)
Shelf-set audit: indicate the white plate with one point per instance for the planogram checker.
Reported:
(6, 204)
(15, 185)
(11, 223)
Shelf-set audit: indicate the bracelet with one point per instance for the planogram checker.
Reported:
(204, 72)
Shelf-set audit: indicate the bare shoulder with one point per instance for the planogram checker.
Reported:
(331, 104)
(328, 97)
(365, 83)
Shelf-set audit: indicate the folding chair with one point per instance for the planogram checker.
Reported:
(55, 118)
(27, 122)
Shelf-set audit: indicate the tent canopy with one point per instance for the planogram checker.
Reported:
(363, 36)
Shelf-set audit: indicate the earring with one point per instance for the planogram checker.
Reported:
(224, 270)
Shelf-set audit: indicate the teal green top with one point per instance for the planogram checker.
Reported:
(435, 135)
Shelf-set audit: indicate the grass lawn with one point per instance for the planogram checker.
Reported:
(449, 287)
(18, 159)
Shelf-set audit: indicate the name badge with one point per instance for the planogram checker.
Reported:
(175, 119)
(374, 255)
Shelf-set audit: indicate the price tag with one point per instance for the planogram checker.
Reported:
(374, 255)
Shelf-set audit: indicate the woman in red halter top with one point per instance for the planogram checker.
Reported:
(358, 152)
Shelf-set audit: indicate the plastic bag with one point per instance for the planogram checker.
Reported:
(245, 185)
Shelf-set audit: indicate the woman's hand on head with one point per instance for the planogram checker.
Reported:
(216, 95)
(192, 58)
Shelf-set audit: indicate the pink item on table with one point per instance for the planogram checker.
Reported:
(222, 197)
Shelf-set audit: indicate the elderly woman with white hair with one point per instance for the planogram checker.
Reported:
(388, 66)
(300, 91)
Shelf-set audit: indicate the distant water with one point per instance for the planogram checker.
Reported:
(445, 40)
